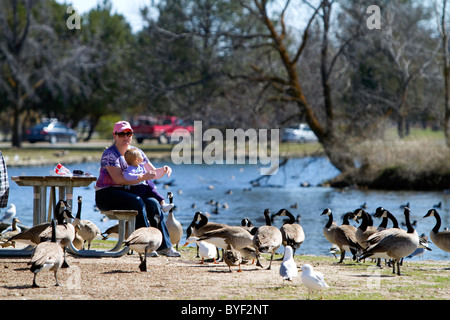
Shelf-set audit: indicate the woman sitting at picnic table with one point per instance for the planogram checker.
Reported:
(114, 192)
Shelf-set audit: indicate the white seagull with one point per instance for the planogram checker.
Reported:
(313, 280)
(9, 214)
(288, 268)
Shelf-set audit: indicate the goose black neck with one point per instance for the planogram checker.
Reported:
(438, 222)
(393, 219)
(203, 221)
(330, 221)
(409, 227)
(267, 216)
(60, 217)
(365, 220)
(53, 230)
(290, 216)
(78, 216)
(383, 223)
(345, 219)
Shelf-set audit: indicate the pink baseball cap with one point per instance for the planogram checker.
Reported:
(122, 126)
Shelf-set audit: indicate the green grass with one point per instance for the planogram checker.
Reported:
(415, 134)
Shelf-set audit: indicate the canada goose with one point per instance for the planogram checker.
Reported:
(423, 243)
(440, 238)
(9, 213)
(65, 233)
(87, 229)
(288, 268)
(386, 215)
(365, 229)
(329, 226)
(232, 257)
(237, 236)
(312, 280)
(173, 225)
(10, 232)
(78, 241)
(206, 249)
(293, 234)
(344, 236)
(247, 224)
(267, 239)
(47, 256)
(144, 240)
(32, 236)
(393, 243)
(111, 232)
(200, 225)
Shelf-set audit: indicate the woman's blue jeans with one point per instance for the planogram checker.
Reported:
(149, 210)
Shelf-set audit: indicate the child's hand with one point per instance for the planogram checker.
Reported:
(150, 175)
(167, 170)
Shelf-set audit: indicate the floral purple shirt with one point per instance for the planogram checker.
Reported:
(112, 158)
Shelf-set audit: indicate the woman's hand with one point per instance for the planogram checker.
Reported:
(167, 170)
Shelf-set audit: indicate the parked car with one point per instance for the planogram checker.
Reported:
(158, 127)
(298, 133)
(51, 131)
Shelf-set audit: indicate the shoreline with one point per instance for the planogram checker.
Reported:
(383, 178)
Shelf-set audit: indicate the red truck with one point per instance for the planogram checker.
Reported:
(158, 127)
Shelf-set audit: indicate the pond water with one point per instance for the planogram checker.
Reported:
(194, 186)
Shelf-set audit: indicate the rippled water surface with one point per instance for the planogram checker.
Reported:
(196, 185)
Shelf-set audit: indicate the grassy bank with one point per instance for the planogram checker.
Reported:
(418, 162)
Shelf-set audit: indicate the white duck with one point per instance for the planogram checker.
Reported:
(288, 268)
(313, 280)
(206, 250)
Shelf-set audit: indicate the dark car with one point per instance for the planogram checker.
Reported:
(51, 131)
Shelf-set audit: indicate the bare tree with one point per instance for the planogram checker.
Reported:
(291, 86)
(442, 23)
(402, 39)
(35, 60)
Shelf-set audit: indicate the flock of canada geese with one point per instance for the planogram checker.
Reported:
(238, 243)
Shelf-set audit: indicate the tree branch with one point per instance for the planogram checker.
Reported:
(305, 35)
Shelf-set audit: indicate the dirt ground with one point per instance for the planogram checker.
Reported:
(185, 279)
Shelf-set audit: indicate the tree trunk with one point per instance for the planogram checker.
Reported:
(446, 76)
